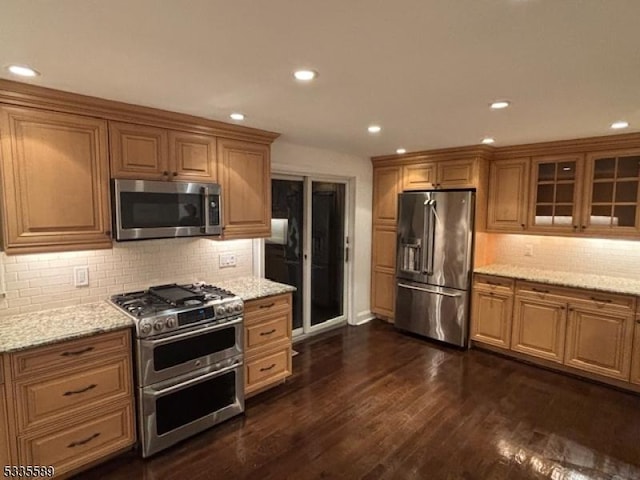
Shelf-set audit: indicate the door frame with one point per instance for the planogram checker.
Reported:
(349, 214)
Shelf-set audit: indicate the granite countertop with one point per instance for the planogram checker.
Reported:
(28, 330)
(250, 288)
(588, 281)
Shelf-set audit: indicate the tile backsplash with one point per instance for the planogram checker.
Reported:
(616, 258)
(40, 281)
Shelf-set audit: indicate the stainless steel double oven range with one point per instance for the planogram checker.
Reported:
(189, 356)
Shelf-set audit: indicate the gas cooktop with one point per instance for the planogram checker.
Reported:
(164, 308)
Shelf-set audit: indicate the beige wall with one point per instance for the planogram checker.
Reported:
(617, 258)
(40, 281)
(303, 160)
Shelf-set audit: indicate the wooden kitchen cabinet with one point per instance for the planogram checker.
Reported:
(5, 456)
(442, 174)
(635, 360)
(491, 310)
(267, 340)
(599, 340)
(386, 186)
(153, 153)
(245, 176)
(383, 282)
(55, 181)
(555, 193)
(612, 193)
(508, 194)
(539, 326)
(73, 402)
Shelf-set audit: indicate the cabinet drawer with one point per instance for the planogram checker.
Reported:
(68, 354)
(267, 332)
(266, 369)
(263, 306)
(496, 284)
(80, 442)
(42, 400)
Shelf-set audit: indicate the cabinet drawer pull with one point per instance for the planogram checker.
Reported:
(489, 282)
(601, 300)
(638, 321)
(165, 173)
(82, 390)
(269, 305)
(262, 334)
(77, 352)
(539, 290)
(82, 442)
(268, 368)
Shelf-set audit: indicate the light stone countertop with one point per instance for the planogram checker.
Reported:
(251, 288)
(29, 330)
(603, 283)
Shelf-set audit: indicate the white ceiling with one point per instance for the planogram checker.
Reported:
(425, 70)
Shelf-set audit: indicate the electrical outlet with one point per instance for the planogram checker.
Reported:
(528, 250)
(81, 276)
(227, 260)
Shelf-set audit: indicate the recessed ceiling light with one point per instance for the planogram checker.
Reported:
(237, 116)
(374, 128)
(305, 75)
(488, 140)
(500, 104)
(23, 71)
(619, 125)
(400, 151)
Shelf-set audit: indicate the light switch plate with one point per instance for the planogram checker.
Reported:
(81, 276)
(227, 260)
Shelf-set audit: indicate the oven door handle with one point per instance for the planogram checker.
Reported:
(194, 381)
(191, 333)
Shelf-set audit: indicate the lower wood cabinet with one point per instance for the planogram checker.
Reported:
(635, 360)
(75, 409)
(600, 341)
(577, 329)
(267, 340)
(5, 456)
(539, 328)
(383, 265)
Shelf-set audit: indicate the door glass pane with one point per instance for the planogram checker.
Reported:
(283, 250)
(604, 168)
(600, 215)
(545, 194)
(546, 172)
(627, 191)
(624, 215)
(602, 192)
(327, 251)
(567, 171)
(564, 193)
(628, 167)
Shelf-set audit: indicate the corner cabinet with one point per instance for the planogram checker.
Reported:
(245, 176)
(55, 181)
(267, 340)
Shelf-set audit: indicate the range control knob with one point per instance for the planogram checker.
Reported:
(145, 327)
(229, 308)
(220, 310)
(171, 322)
(238, 307)
(158, 325)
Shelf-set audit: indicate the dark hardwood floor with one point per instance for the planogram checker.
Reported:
(371, 403)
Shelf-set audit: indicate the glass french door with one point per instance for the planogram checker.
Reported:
(308, 248)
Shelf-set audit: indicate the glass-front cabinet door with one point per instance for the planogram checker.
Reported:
(555, 195)
(612, 195)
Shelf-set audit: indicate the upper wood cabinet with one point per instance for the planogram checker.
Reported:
(55, 181)
(152, 153)
(442, 174)
(612, 196)
(386, 186)
(508, 194)
(245, 176)
(555, 193)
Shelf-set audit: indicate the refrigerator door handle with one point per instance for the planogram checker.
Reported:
(429, 233)
(427, 290)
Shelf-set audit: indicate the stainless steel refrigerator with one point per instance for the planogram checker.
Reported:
(434, 261)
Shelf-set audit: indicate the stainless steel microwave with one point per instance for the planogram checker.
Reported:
(152, 209)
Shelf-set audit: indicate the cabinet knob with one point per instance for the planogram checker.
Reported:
(522, 225)
(583, 227)
(575, 227)
(175, 174)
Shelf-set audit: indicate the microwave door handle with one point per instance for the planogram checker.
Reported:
(204, 192)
